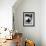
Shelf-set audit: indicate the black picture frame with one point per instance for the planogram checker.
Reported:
(28, 19)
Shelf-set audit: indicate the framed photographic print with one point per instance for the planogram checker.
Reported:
(28, 19)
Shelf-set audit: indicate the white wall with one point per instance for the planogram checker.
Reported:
(33, 33)
(43, 22)
(6, 13)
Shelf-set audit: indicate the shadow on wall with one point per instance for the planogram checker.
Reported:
(12, 44)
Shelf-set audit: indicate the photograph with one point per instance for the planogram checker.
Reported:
(28, 19)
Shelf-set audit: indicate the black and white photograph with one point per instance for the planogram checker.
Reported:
(28, 18)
